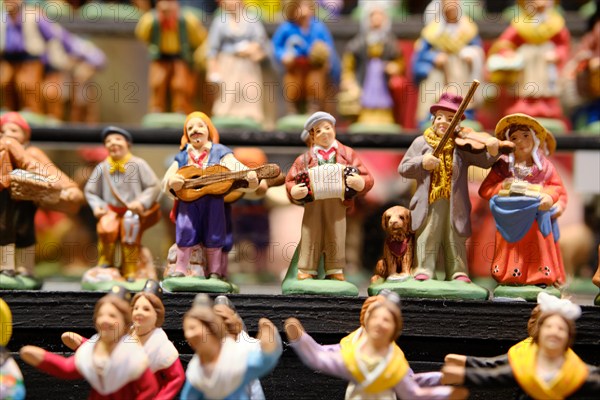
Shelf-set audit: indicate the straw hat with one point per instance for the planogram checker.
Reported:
(522, 119)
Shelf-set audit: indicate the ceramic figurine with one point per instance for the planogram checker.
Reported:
(221, 367)
(113, 366)
(528, 58)
(324, 180)
(305, 50)
(371, 60)
(448, 53)
(368, 358)
(13, 125)
(11, 378)
(596, 279)
(173, 36)
(202, 174)
(122, 192)
(440, 206)
(148, 316)
(237, 43)
(524, 191)
(541, 368)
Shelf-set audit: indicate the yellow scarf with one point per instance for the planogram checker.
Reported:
(394, 371)
(441, 177)
(539, 33)
(118, 165)
(450, 43)
(572, 375)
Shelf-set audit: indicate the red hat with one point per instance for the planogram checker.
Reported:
(448, 102)
(17, 119)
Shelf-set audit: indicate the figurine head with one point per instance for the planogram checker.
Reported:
(168, 13)
(198, 130)
(383, 319)
(13, 125)
(147, 309)
(368, 301)
(231, 6)
(5, 323)
(376, 15)
(12, 6)
(117, 141)
(298, 11)
(202, 327)
(556, 323)
(539, 6)
(526, 133)
(451, 10)
(319, 130)
(112, 316)
(532, 323)
(443, 112)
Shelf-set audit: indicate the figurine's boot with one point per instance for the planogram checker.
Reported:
(214, 257)
(25, 260)
(131, 258)
(7, 259)
(106, 252)
(183, 261)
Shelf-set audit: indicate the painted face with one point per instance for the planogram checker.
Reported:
(144, 315)
(324, 134)
(451, 10)
(377, 19)
(523, 141)
(538, 5)
(110, 322)
(554, 333)
(12, 130)
(441, 122)
(381, 325)
(117, 146)
(197, 132)
(196, 333)
(231, 5)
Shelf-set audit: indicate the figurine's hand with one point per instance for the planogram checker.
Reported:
(176, 182)
(546, 202)
(393, 68)
(594, 63)
(492, 145)
(99, 212)
(293, 329)
(559, 210)
(72, 340)
(459, 393)
(267, 335)
(455, 359)
(232, 320)
(430, 162)
(136, 206)
(288, 59)
(262, 188)
(453, 375)
(252, 179)
(299, 191)
(32, 355)
(69, 194)
(440, 60)
(551, 57)
(356, 182)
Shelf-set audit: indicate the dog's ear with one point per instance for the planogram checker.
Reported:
(408, 221)
(384, 220)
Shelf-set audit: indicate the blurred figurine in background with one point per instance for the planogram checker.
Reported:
(596, 279)
(371, 60)
(13, 125)
(528, 57)
(237, 43)
(122, 192)
(11, 378)
(304, 47)
(448, 54)
(173, 36)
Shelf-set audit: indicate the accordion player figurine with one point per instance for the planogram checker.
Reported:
(324, 179)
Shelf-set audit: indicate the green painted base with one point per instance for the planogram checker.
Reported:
(597, 300)
(556, 126)
(526, 292)
(198, 285)
(236, 123)
(582, 286)
(319, 286)
(292, 123)
(134, 286)
(20, 283)
(488, 282)
(592, 129)
(433, 289)
(163, 120)
(391, 129)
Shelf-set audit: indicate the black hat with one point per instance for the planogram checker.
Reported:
(153, 287)
(120, 292)
(115, 129)
(224, 300)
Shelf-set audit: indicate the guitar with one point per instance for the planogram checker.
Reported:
(217, 180)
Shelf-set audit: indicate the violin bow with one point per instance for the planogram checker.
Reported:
(456, 119)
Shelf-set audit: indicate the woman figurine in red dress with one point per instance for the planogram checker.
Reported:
(115, 368)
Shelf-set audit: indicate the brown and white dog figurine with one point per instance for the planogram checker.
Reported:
(397, 257)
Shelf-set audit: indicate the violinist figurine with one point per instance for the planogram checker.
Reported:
(528, 58)
(524, 191)
(11, 378)
(371, 60)
(448, 53)
(440, 206)
(113, 365)
(305, 50)
(173, 35)
(199, 214)
(544, 367)
(122, 193)
(13, 125)
(316, 181)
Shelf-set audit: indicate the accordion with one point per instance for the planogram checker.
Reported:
(327, 181)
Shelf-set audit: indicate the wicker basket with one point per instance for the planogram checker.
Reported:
(26, 185)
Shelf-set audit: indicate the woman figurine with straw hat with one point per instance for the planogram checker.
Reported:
(525, 190)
